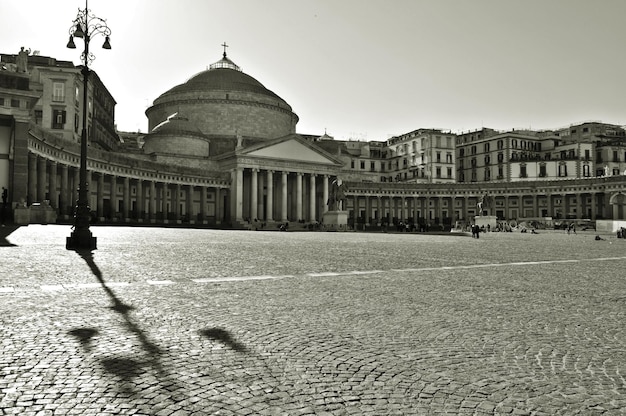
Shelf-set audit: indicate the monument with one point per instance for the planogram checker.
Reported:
(336, 218)
(484, 206)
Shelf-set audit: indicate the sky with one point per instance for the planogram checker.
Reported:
(358, 69)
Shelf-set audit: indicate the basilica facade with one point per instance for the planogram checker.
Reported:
(223, 150)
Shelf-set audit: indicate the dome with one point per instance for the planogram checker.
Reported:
(223, 101)
(224, 79)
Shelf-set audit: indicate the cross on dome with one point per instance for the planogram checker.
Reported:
(225, 62)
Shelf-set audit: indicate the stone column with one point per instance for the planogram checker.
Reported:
(549, 204)
(218, 206)
(325, 192)
(126, 198)
(299, 195)
(269, 209)
(64, 191)
(41, 180)
(176, 201)
(368, 209)
(203, 204)
(237, 199)
(32, 178)
(594, 206)
(283, 196)
(254, 194)
(113, 197)
(191, 215)
(100, 197)
(312, 200)
(141, 200)
(53, 185)
(153, 202)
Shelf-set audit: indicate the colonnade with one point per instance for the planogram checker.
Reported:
(278, 195)
(123, 198)
(439, 209)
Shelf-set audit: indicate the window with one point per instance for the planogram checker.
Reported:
(542, 170)
(58, 119)
(362, 165)
(1, 101)
(448, 157)
(615, 156)
(373, 166)
(352, 164)
(522, 171)
(438, 172)
(586, 171)
(15, 103)
(486, 147)
(562, 170)
(500, 144)
(438, 157)
(487, 159)
(58, 91)
(449, 172)
(500, 157)
(487, 174)
(461, 152)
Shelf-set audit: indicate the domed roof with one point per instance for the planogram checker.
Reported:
(222, 75)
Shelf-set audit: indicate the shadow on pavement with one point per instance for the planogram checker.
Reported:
(223, 336)
(5, 231)
(127, 369)
(84, 336)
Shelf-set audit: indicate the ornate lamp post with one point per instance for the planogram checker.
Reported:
(85, 26)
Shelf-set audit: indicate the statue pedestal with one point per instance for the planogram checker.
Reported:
(335, 220)
(485, 220)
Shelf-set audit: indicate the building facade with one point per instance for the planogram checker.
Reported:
(223, 150)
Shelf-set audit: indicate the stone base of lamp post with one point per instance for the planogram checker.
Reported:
(81, 239)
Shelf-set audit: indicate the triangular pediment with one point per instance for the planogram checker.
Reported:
(293, 150)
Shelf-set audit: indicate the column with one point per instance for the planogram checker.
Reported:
(269, 209)
(283, 196)
(176, 201)
(325, 192)
(312, 200)
(191, 215)
(254, 195)
(153, 202)
(64, 190)
(237, 199)
(141, 201)
(368, 209)
(218, 206)
(579, 197)
(41, 179)
(52, 186)
(203, 205)
(126, 198)
(593, 206)
(299, 195)
(100, 196)
(32, 178)
(549, 204)
(113, 197)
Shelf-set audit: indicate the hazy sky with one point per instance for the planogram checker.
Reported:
(362, 69)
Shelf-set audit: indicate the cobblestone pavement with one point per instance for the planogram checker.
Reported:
(206, 322)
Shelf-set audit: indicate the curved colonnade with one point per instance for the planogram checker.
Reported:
(124, 189)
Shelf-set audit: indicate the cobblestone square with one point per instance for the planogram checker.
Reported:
(166, 321)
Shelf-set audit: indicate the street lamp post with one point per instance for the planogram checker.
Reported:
(85, 26)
